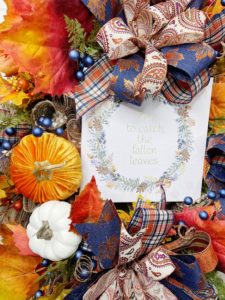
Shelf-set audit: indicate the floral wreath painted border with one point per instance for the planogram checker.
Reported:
(104, 163)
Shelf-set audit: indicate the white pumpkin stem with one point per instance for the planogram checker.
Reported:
(43, 170)
(45, 232)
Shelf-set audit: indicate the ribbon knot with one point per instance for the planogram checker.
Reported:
(151, 28)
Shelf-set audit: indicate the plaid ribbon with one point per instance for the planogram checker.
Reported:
(21, 131)
(215, 30)
(94, 89)
(155, 222)
(181, 92)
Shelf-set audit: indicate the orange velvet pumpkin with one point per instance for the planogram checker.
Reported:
(45, 168)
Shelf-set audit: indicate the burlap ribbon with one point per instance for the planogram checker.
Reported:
(151, 28)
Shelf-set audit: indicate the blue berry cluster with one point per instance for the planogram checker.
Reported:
(214, 196)
(6, 144)
(45, 123)
(83, 60)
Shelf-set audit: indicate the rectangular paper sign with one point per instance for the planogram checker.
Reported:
(132, 150)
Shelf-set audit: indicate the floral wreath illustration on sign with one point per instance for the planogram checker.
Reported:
(103, 162)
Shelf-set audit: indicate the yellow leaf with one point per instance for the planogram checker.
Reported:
(59, 293)
(17, 276)
(2, 194)
(4, 183)
(125, 217)
(16, 97)
(8, 94)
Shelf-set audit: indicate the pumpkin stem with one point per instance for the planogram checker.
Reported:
(43, 170)
(45, 232)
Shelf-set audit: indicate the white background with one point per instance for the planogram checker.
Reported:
(120, 142)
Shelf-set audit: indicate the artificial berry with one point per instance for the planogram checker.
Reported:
(74, 55)
(182, 223)
(78, 254)
(211, 195)
(46, 122)
(40, 120)
(84, 274)
(203, 215)
(37, 131)
(10, 131)
(59, 131)
(188, 200)
(88, 61)
(81, 65)
(218, 53)
(45, 262)
(6, 145)
(18, 205)
(38, 294)
(23, 84)
(79, 75)
(222, 193)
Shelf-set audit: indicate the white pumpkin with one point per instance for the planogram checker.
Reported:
(48, 231)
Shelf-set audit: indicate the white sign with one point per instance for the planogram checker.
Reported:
(132, 150)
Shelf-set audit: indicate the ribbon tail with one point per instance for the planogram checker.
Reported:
(103, 283)
(153, 74)
(162, 203)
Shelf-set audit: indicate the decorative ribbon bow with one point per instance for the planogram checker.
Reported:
(151, 28)
(139, 278)
(136, 262)
(187, 63)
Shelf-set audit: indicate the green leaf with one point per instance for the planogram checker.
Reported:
(18, 116)
(76, 34)
(79, 40)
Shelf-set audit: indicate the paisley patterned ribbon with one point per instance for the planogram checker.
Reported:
(136, 260)
(139, 280)
(151, 28)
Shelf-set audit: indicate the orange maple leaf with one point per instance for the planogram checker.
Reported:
(20, 239)
(34, 36)
(88, 205)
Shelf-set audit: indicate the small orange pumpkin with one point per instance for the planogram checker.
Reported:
(45, 168)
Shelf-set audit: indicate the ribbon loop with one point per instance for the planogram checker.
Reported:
(151, 28)
(122, 40)
(187, 27)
